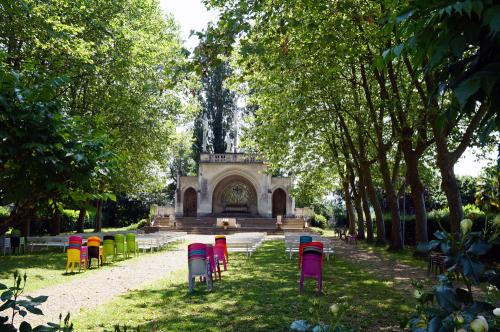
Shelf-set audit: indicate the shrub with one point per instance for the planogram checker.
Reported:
(318, 221)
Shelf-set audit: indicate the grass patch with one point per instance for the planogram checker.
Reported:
(257, 294)
(48, 268)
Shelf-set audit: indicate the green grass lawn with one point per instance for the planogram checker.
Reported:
(47, 268)
(257, 294)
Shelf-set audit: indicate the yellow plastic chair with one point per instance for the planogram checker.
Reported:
(73, 256)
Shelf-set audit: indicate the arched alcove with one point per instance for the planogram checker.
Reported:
(190, 203)
(234, 195)
(279, 202)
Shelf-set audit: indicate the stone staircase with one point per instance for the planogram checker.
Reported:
(207, 225)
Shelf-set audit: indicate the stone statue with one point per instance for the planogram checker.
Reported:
(205, 133)
(229, 143)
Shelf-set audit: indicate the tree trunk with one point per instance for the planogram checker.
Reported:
(98, 216)
(417, 193)
(372, 194)
(81, 220)
(392, 200)
(26, 225)
(359, 213)
(451, 189)
(55, 225)
(349, 208)
(366, 210)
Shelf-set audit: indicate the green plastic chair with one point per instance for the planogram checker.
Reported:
(131, 244)
(120, 245)
(108, 246)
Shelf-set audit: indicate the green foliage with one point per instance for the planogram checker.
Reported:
(318, 221)
(10, 297)
(89, 101)
(460, 40)
(465, 267)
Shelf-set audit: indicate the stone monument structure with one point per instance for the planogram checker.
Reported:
(233, 184)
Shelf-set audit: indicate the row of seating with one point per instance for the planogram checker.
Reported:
(112, 246)
(292, 244)
(11, 244)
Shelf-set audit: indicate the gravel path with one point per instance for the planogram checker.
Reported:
(100, 287)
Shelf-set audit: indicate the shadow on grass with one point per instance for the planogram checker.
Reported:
(258, 294)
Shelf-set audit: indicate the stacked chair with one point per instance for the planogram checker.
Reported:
(95, 251)
(5, 245)
(303, 240)
(120, 245)
(108, 246)
(312, 264)
(214, 262)
(198, 265)
(220, 253)
(131, 244)
(221, 239)
(74, 253)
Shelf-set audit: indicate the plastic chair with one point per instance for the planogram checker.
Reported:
(108, 246)
(131, 244)
(302, 241)
(214, 262)
(120, 245)
(221, 239)
(198, 265)
(312, 264)
(94, 250)
(5, 244)
(84, 257)
(220, 253)
(15, 243)
(73, 255)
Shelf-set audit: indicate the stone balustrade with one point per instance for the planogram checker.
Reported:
(229, 158)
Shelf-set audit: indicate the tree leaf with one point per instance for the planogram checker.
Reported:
(464, 296)
(25, 327)
(7, 295)
(404, 15)
(466, 89)
(34, 310)
(446, 298)
(492, 18)
(479, 248)
(38, 299)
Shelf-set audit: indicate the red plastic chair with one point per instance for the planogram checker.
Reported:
(214, 263)
(312, 264)
(219, 251)
(221, 239)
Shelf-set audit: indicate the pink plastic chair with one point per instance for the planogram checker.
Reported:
(220, 253)
(84, 256)
(214, 262)
(221, 239)
(198, 264)
(312, 264)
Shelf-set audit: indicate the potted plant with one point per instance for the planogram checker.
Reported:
(279, 221)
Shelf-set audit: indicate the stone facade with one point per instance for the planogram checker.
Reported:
(233, 184)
